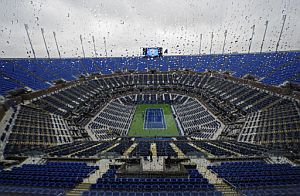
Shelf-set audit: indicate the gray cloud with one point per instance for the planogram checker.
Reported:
(128, 25)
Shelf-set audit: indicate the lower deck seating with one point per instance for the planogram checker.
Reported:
(16, 190)
(252, 177)
(196, 120)
(123, 145)
(142, 149)
(53, 178)
(216, 148)
(144, 193)
(272, 191)
(188, 149)
(212, 149)
(68, 149)
(114, 118)
(110, 183)
(162, 149)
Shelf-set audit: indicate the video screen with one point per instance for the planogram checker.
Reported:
(152, 52)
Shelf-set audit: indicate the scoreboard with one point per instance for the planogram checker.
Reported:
(152, 52)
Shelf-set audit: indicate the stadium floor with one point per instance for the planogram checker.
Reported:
(137, 126)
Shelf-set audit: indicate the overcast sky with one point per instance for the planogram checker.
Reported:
(128, 25)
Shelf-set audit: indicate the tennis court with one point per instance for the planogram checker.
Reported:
(154, 119)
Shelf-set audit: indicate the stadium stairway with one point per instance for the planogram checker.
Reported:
(3, 123)
(153, 149)
(33, 160)
(200, 149)
(177, 150)
(226, 189)
(108, 149)
(279, 160)
(89, 131)
(79, 189)
(92, 179)
(219, 184)
(130, 149)
(11, 114)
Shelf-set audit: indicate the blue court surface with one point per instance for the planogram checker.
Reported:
(154, 119)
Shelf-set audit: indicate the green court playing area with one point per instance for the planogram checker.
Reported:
(137, 125)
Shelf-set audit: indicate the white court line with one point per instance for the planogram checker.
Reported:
(146, 114)
(163, 118)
